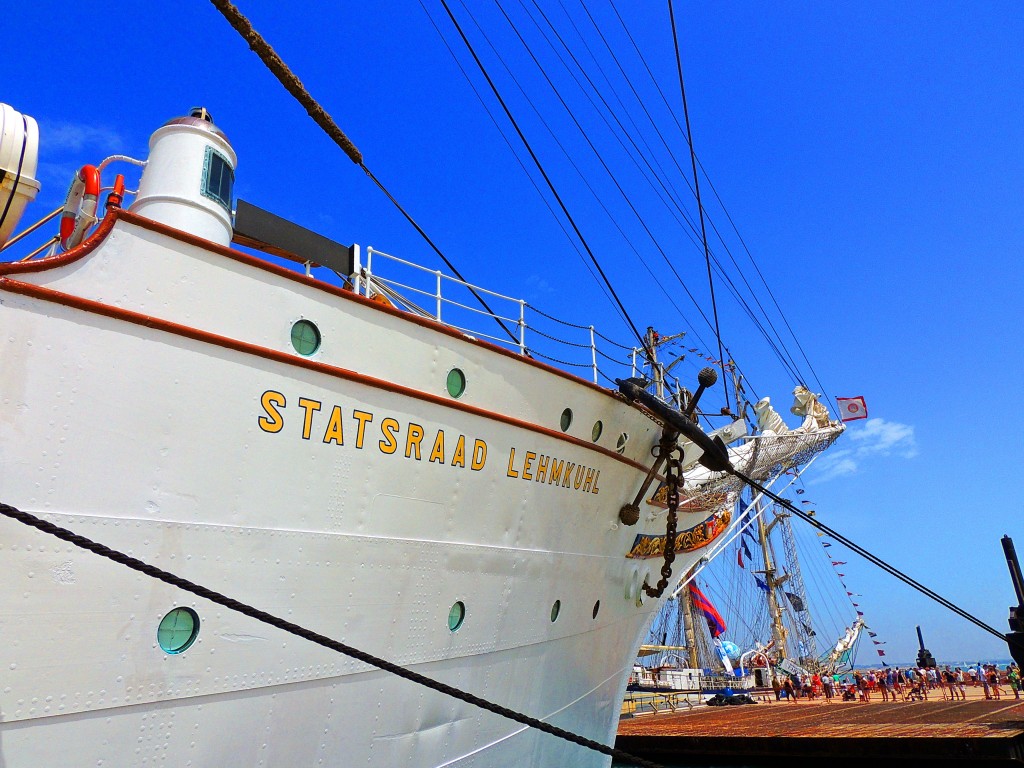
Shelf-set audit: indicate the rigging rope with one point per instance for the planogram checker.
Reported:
(294, 86)
(700, 207)
(518, 159)
(787, 361)
(543, 173)
(874, 559)
(262, 616)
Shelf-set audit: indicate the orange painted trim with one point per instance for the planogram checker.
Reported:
(148, 321)
(84, 248)
(115, 215)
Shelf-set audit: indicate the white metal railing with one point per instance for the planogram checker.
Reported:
(421, 287)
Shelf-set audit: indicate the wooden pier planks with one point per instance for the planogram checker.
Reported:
(974, 731)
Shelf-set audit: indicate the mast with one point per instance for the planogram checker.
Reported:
(688, 629)
(658, 371)
(774, 609)
(804, 623)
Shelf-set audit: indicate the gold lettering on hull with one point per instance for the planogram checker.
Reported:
(416, 442)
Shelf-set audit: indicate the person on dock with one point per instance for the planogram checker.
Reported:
(983, 674)
(790, 689)
(882, 686)
(960, 683)
(949, 681)
(777, 687)
(862, 687)
(922, 676)
(827, 687)
(973, 674)
(993, 681)
(899, 681)
(1013, 677)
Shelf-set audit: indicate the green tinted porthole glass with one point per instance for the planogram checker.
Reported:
(305, 337)
(566, 420)
(597, 607)
(178, 630)
(620, 444)
(456, 382)
(555, 609)
(456, 615)
(595, 433)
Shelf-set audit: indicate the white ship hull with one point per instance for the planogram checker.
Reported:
(150, 400)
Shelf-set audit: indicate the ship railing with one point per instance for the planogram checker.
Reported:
(433, 294)
(51, 243)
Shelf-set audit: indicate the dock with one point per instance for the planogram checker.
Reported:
(937, 732)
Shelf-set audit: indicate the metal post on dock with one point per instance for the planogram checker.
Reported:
(924, 656)
(1015, 637)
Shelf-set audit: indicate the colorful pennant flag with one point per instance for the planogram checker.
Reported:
(838, 562)
(880, 652)
(761, 584)
(701, 603)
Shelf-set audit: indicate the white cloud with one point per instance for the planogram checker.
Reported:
(885, 437)
(877, 437)
(829, 470)
(71, 137)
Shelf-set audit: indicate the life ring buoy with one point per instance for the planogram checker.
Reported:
(80, 207)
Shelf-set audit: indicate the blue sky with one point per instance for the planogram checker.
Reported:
(870, 155)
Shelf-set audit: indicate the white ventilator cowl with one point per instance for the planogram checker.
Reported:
(176, 187)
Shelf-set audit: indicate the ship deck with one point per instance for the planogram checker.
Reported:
(933, 732)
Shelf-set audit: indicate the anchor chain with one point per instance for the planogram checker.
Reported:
(673, 476)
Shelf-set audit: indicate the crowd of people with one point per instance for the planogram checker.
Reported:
(901, 684)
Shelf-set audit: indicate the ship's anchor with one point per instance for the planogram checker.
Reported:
(673, 472)
(715, 457)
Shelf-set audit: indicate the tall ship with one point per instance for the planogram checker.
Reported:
(312, 428)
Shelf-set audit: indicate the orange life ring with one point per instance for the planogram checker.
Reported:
(80, 207)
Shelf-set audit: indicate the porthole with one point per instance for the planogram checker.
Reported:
(456, 382)
(597, 607)
(456, 615)
(595, 433)
(620, 444)
(566, 420)
(555, 609)
(305, 338)
(178, 630)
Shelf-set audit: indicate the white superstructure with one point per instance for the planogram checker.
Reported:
(302, 449)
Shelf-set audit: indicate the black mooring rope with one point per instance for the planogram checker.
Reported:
(306, 634)
(872, 558)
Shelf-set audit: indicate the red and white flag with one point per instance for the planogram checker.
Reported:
(852, 408)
